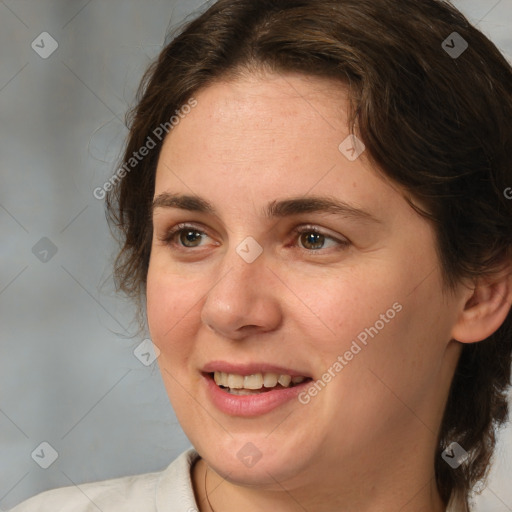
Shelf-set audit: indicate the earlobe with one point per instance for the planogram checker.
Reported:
(485, 310)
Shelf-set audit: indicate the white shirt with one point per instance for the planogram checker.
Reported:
(169, 490)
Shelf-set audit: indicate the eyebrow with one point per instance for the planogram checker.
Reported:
(274, 209)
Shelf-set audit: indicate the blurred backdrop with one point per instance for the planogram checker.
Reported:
(78, 393)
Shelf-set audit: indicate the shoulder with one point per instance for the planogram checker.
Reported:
(138, 493)
(109, 495)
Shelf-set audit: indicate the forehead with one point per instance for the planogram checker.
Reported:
(259, 137)
(285, 92)
(272, 112)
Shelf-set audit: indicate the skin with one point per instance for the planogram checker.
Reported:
(366, 442)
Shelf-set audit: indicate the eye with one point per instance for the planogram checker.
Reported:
(312, 239)
(187, 236)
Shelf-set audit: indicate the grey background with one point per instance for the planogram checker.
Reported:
(68, 374)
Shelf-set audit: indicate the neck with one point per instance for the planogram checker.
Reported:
(216, 494)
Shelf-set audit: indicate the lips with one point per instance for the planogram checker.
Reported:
(252, 368)
(246, 403)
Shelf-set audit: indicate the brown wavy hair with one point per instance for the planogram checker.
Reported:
(439, 126)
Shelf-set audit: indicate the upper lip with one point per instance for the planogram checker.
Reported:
(250, 369)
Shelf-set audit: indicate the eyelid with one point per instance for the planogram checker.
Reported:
(170, 234)
(342, 241)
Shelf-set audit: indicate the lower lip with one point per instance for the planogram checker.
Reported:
(250, 405)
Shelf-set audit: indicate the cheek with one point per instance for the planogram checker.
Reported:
(169, 303)
(343, 305)
(379, 319)
(172, 327)
(403, 360)
(160, 305)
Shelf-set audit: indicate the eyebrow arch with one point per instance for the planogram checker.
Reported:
(274, 209)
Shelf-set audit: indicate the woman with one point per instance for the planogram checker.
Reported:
(314, 215)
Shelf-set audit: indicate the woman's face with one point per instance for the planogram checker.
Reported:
(354, 302)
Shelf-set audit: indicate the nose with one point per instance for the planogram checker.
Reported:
(244, 301)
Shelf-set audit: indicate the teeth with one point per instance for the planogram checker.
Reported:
(243, 392)
(235, 381)
(252, 381)
(284, 380)
(270, 380)
(255, 381)
(218, 377)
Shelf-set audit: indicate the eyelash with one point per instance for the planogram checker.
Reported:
(170, 236)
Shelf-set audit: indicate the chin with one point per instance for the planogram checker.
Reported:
(248, 465)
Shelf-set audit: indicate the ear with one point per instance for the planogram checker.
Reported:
(485, 308)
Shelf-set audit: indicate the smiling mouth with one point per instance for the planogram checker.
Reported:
(254, 384)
